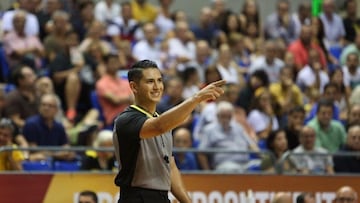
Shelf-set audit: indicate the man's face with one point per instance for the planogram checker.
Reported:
(28, 77)
(126, 12)
(352, 61)
(307, 138)
(283, 9)
(86, 199)
(330, 93)
(224, 118)
(150, 88)
(296, 120)
(324, 115)
(182, 139)
(346, 196)
(353, 138)
(48, 107)
(354, 115)
(150, 32)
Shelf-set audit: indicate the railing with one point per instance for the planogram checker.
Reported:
(279, 166)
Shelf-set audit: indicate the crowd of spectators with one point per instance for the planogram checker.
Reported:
(292, 80)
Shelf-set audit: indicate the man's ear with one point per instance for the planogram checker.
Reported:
(133, 86)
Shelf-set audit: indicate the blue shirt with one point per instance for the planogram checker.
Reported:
(189, 163)
(313, 112)
(36, 131)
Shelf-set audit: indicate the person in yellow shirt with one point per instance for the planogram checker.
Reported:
(143, 11)
(286, 94)
(9, 160)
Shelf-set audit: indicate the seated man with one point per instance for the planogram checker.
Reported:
(309, 163)
(88, 196)
(346, 194)
(43, 130)
(182, 140)
(330, 134)
(225, 133)
(349, 164)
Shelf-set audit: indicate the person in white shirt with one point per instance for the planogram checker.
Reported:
(333, 24)
(311, 163)
(31, 25)
(148, 48)
(106, 10)
(269, 63)
(351, 70)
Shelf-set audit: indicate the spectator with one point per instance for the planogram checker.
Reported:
(349, 164)
(240, 52)
(20, 48)
(262, 116)
(351, 48)
(123, 27)
(230, 26)
(351, 20)
(182, 46)
(163, 20)
(83, 18)
(31, 27)
(301, 48)
(95, 34)
(351, 70)
(55, 41)
(203, 58)
(258, 79)
(227, 67)
(225, 133)
(206, 29)
(12, 159)
(100, 160)
(143, 11)
(43, 130)
(44, 16)
(318, 163)
(21, 103)
(277, 159)
(191, 81)
(313, 75)
(346, 194)
(354, 116)
(113, 92)
(295, 121)
(280, 25)
(286, 94)
(341, 98)
(250, 15)
(183, 140)
(106, 10)
(305, 197)
(65, 72)
(330, 134)
(148, 48)
(330, 92)
(268, 62)
(174, 88)
(219, 11)
(302, 17)
(88, 196)
(334, 28)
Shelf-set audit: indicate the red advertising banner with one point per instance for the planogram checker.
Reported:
(60, 188)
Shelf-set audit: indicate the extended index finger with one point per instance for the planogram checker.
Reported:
(219, 83)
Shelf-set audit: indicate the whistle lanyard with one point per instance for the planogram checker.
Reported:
(144, 112)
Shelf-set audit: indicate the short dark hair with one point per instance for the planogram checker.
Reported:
(89, 193)
(125, 3)
(107, 57)
(263, 76)
(324, 103)
(7, 124)
(135, 72)
(17, 74)
(297, 109)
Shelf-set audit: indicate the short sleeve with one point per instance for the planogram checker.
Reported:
(113, 30)
(256, 121)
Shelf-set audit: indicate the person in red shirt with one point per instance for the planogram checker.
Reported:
(301, 47)
(114, 93)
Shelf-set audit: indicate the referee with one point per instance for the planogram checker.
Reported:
(143, 141)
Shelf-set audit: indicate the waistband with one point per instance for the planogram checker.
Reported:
(135, 189)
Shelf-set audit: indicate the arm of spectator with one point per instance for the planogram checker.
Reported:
(17, 120)
(204, 162)
(21, 141)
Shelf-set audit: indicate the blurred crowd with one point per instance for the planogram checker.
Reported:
(292, 81)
